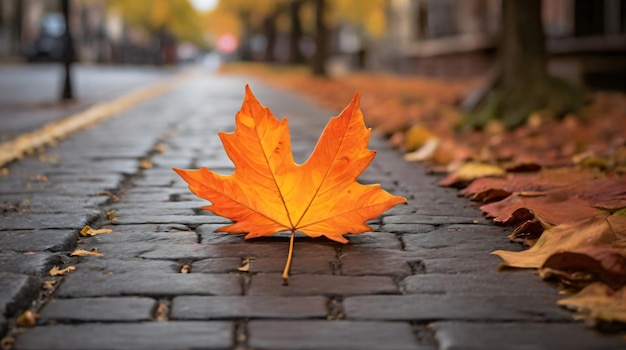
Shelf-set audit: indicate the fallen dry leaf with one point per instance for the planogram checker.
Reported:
(425, 152)
(111, 215)
(161, 312)
(269, 192)
(55, 271)
(597, 230)
(577, 268)
(49, 284)
(88, 231)
(416, 137)
(27, 319)
(83, 252)
(470, 171)
(245, 265)
(529, 232)
(552, 208)
(160, 148)
(598, 303)
(145, 164)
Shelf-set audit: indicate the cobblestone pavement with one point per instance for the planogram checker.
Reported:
(422, 280)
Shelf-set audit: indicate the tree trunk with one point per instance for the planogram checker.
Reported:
(269, 25)
(245, 48)
(295, 53)
(522, 47)
(521, 83)
(321, 39)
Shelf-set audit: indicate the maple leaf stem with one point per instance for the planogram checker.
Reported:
(289, 256)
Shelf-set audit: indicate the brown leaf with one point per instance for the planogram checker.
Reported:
(598, 302)
(55, 271)
(598, 230)
(528, 232)
(604, 263)
(552, 208)
(549, 180)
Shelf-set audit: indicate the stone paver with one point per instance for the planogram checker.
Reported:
(79, 285)
(428, 307)
(345, 335)
(125, 309)
(16, 292)
(37, 240)
(422, 279)
(202, 308)
(510, 336)
(270, 284)
(144, 336)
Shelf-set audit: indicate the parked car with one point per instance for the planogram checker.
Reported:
(48, 46)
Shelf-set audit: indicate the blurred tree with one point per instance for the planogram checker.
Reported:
(521, 83)
(296, 32)
(367, 16)
(314, 17)
(160, 16)
(321, 39)
(250, 14)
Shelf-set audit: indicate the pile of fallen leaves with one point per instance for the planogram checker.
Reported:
(559, 183)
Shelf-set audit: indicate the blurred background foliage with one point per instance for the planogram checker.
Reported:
(580, 41)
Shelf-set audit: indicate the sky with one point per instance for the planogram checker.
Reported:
(204, 5)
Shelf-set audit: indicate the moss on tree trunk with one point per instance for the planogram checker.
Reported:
(522, 84)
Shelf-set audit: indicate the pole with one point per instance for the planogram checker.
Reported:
(68, 53)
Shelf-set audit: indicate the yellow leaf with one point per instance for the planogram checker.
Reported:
(27, 319)
(160, 148)
(88, 231)
(425, 152)
(111, 215)
(161, 312)
(596, 230)
(470, 171)
(598, 302)
(245, 265)
(83, 252)
(145, 164)
(416, 137)
(49, 284)
(55, 271)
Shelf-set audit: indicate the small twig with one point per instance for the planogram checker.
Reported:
(288, 264)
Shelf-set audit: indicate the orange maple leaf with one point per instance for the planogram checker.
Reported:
(268, 192)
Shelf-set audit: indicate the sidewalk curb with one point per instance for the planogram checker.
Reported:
(53, 132)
